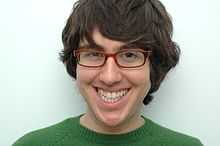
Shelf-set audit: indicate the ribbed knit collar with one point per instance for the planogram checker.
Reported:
(84, 133)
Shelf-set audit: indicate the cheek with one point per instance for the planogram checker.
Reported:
(140, 79)
(146, 80)
(145, 75)
(84, 76)
(83, 80)
(144, 83)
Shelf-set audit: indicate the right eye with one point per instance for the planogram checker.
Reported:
(91, 55)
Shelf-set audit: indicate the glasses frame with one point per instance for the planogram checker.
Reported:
(76, 54)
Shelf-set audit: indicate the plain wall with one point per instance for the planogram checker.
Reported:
(36, 91)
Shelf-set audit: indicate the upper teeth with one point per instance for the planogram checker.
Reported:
(111, 96)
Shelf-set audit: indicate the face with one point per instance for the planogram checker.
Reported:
(126, 88)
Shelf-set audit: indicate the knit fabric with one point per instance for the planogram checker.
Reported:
(71, 133)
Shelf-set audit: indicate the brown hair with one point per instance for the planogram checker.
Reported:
(145, 21)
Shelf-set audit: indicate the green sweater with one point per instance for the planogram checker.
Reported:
(71, 133)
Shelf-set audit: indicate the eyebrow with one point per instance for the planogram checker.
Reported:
(92, 46)
(100, 48)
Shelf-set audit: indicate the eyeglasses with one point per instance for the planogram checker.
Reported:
(125, 58)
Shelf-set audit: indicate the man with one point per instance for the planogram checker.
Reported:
(119, 52)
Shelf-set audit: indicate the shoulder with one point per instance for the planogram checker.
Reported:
(169, 137)
(49, 135)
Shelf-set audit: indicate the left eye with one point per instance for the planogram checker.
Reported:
(129, 55)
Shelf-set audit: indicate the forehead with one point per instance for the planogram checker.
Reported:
(99, 40)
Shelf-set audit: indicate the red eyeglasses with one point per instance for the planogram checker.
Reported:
(125, 58)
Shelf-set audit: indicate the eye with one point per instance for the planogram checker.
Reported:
(91, 55)
(129, 55)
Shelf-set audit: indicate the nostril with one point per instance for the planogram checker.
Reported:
(96, 89)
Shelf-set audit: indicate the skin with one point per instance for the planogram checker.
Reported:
(120, 117)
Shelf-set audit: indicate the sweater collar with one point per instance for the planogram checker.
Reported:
(95, 137)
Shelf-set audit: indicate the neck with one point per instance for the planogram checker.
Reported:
(93, 124)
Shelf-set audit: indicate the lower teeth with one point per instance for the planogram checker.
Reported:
(111, 100)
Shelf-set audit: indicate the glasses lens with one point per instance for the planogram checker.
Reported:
(91, 58)
(130, 58)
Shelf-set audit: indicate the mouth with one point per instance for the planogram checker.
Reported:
(112, 96)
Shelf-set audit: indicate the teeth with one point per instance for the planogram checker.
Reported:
(112, 97)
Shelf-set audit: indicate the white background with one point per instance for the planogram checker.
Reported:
(36, 91)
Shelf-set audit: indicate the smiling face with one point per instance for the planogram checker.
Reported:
(114, 95)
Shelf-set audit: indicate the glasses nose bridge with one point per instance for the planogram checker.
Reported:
(112, 55)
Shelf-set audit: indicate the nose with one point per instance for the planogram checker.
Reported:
(110, 73)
